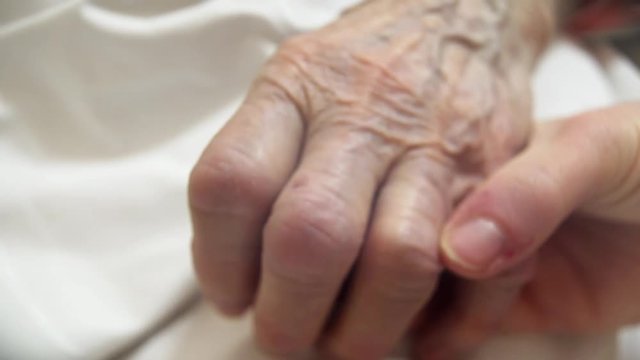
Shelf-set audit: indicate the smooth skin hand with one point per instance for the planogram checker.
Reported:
(334, 178)
(567, 210)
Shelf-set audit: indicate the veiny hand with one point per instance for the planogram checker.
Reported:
(571, 202)
(345, 159)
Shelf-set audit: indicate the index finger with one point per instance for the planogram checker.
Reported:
(231, 190)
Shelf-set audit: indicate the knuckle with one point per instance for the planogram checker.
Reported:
(549, 197)
(408, 261)
(538, 189)
(589, 129)
(296, 47)
(291, 71)
(228, 180)
(292, 45)
(292, 53)
(320, 77)
(414, 259)
(307, 234)
(597, 130)
(611, 144)
(613, 137)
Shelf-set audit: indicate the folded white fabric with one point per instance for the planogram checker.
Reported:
(104, 107)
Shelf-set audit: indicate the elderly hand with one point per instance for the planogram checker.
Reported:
(340, 168)
(572, 203)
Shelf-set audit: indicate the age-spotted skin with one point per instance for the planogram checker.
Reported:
(344, 161)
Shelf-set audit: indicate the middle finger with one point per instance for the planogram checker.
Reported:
(399, 267)
(314, 235)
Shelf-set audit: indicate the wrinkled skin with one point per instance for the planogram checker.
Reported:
(571, 207)
(346, 158)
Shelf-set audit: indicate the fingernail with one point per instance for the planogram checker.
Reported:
(474, 245)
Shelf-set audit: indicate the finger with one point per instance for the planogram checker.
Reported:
(231, 190)
(477, 314)
(590, 161)
(313, 237)
(399, 267)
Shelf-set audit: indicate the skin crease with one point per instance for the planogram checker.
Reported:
(402, 90)
(346, 158)
(575, 288)
(581, 275)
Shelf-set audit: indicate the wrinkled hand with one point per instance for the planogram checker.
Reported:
(344, 161)
(570, 205)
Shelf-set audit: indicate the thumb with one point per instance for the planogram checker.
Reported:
(591, 161)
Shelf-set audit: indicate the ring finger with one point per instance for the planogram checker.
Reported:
(399, 268)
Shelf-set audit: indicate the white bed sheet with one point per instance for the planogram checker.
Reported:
(104, 107)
